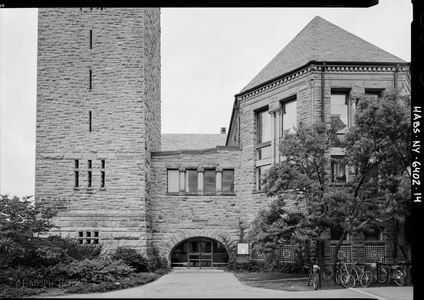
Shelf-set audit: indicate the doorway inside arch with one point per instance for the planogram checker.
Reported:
(199, 253)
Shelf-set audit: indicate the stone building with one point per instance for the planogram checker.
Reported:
(100, 155)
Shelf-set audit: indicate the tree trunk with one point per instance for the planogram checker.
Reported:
(400, 237)
(336, 249)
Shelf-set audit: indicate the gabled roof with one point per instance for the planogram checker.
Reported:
(321, 41)
(171, 142)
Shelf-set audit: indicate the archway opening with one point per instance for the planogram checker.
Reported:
(199, 252)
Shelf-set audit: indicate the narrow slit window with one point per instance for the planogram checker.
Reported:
(76, 173)
(90, 115)
(89, 178)
(90, 79)
(103, 173)
(91, 39)
(103, 177)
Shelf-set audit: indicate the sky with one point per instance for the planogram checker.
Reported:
(208, 55)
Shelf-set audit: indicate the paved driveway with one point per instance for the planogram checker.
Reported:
(219, 284)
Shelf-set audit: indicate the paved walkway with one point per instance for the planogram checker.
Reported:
(219, 284)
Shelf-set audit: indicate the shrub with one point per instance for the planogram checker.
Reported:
(76, 250)
(27, 277)
(269, 263)
(97, 270)
(133, 259)
(41, 252)
(13, 292)
(158, 262)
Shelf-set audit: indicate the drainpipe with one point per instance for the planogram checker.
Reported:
(322, 92)
(312, 84)
(396, 76)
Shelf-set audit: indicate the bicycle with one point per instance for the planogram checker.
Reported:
(380, 273)
(338, 272)
(313, 276)
(343, 270)
(405, 267)
(386, 272)
(357, 274)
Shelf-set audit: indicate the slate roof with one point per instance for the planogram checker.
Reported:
(321, 41)
(171, 142)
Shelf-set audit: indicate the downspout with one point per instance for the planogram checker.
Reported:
(322, 92)
(396, 76)
(240, 197)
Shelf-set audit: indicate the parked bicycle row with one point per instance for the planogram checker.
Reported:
(377, 272)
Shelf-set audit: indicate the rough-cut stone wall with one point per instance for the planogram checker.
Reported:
(307, 88)
(177, 217)
(125, 79)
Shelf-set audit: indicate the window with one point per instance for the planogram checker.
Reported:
(90, 79)
(88, 237)
(374, 94)
(76, 173)
(209, 181)
(173, 181)
(289, 113)
(89, 121)
(228, 181)
(339, 111)
(336, 234)
(199, 181)
(263, 126)
(373, 235)
(339, 170)
(89, 174)
(263, 144)
(260, 171)
(191, 181)
(103, 174)
(91, 39)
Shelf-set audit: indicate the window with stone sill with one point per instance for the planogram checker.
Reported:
(200, 181)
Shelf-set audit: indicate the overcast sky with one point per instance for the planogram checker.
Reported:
(208, 56)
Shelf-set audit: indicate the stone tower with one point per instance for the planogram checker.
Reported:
(98, 120)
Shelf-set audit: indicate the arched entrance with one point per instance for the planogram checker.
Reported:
(199, 252)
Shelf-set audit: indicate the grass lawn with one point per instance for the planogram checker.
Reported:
(281, 281)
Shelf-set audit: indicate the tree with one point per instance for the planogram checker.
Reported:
(309, 202)
(306, 198)
(378, 147)
(20, 222)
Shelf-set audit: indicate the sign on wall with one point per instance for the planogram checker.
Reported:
(242, 248)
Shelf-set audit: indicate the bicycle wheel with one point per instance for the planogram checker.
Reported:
(366, 278)
(382, 274)
(399, 277)
(315, 281)
(309, 279)
(348, 281)
(338, 277)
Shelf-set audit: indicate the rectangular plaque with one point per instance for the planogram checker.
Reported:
(242, 248)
